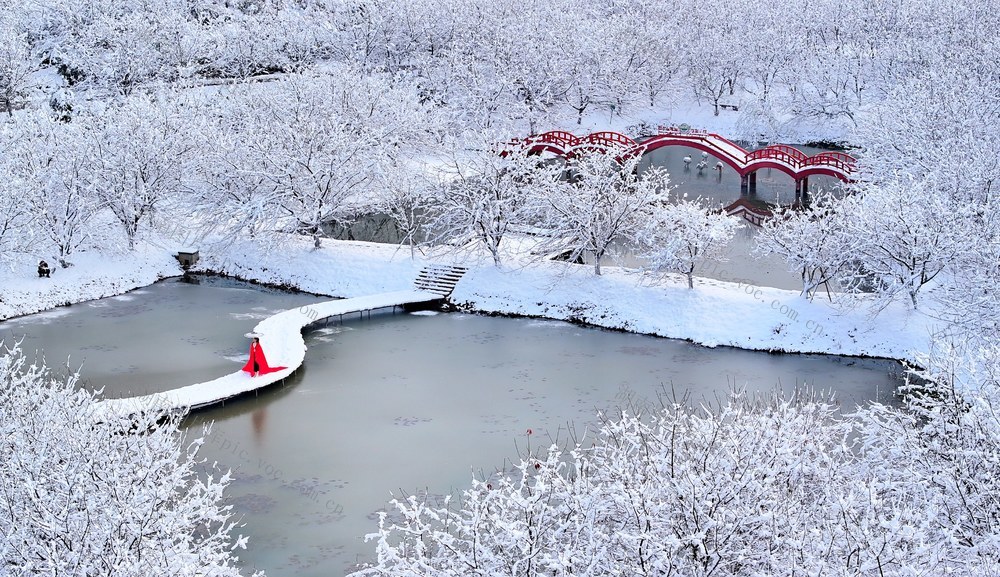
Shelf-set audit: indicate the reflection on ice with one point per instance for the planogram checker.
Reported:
(544, 324)
(330, 330)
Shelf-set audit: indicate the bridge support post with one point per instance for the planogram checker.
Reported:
(744, 184)
(753, 183)
(802, 187)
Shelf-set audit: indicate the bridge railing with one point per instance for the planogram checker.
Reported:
(780, 152)
(839, 160)
(558, 137)
(609, 138)
(566, 143)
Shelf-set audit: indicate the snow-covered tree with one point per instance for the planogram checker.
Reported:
(15, 218)
(682, 235)
(52, 166)
(17, 62)
(483, 196)
(713, 66)
(907, 232)
(231, 198)
(602, 202)
(131, 53)
(16, 234)
(139, 151)
(938, 163)
(813, 242)
(321, 144)
(407, 200)
(126, 497)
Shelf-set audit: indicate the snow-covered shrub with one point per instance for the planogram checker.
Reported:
(733, 491)
(775, 487)
(120, 498)
(943, 454)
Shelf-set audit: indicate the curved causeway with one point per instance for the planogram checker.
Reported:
(281, 337)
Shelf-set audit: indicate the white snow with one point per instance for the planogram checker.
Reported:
(94, 275)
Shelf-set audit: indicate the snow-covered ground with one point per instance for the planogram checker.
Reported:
(93, 275)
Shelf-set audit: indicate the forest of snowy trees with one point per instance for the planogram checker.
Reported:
(253, 119)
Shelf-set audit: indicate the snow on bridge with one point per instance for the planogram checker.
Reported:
(281, 339)
(783, 157)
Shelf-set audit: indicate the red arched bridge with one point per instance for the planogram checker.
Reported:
(787, 159)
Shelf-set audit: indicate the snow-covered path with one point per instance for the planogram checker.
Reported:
(281, 339)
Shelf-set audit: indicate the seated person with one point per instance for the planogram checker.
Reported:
(43, 269)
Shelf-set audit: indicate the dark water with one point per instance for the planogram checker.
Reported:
(404, 403)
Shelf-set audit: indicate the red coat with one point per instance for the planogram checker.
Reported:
(257, 354)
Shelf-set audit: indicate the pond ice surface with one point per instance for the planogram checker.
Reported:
(390, 405)
(401, 404)
(167, 335)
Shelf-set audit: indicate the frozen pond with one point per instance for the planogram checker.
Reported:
(721, 188)
(403, 403)
(157, 338)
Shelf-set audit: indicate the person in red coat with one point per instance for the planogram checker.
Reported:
(257, 365)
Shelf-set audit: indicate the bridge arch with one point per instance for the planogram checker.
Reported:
(782, 157)
(653, 144)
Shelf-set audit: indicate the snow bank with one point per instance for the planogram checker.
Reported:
(93, 275)
(340, 268)
(714, 313)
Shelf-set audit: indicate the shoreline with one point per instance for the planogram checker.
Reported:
(905, 363)
(714, 314)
